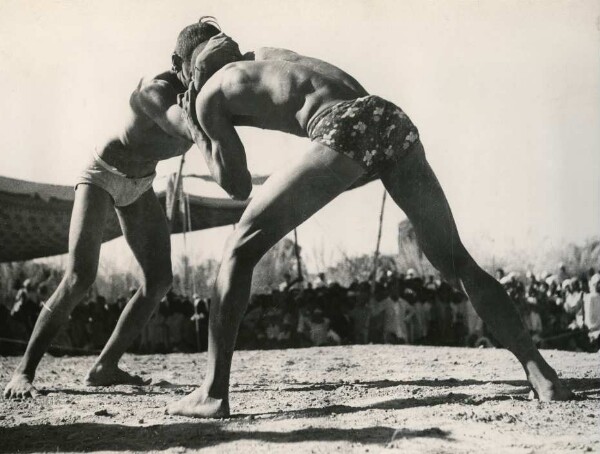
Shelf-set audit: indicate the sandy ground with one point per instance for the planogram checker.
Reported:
(335, 399)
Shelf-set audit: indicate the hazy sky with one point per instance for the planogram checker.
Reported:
(506, 96)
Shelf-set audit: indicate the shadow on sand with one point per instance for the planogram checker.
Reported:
(90, 437)
(575, 384)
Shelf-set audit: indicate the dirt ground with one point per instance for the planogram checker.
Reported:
(336, 399)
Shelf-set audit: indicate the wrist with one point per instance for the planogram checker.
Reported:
(195, 133)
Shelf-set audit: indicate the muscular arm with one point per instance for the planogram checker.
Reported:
(219, 142)
(319, 66)
(158, 100)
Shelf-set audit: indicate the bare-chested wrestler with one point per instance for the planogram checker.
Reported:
(354, 137)
(120, 175)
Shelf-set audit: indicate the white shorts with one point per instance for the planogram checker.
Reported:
(124, 190)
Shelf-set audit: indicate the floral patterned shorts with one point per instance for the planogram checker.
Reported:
(369, 130)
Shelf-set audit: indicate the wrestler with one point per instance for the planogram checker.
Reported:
(353, 137)
(120, 174)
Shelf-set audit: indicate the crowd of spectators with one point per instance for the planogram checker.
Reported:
(560, 311)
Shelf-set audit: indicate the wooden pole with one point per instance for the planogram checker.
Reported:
(299, 277)
(171, 209)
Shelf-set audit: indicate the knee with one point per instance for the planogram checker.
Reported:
(454, 264)
(245, 246)
(79, 281)
(158, 283)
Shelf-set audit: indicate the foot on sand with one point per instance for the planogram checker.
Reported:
(199, 405)
(546, 384)
(20, 387)
(102, 375)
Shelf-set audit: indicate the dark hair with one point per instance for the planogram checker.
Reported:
(194, 34)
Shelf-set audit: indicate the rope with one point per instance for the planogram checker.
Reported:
(189, 228)
(59, 347)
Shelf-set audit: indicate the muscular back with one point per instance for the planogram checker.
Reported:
(276, 90)
(279, 90)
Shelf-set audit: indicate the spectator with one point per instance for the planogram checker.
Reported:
(562, 274)
(534, 323)
(591, 305)
(404, 308)
(573, 302)
(320, 331)
(26, 308)
(377, 305)
(361, 315)
(458, 311)
(406, 313)
(175, 324)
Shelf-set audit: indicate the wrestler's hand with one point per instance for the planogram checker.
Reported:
(187, 102)
(218, 51)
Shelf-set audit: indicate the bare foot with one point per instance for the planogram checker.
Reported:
(20, 387)
(199, 405)
(546, 384)
(102, 375)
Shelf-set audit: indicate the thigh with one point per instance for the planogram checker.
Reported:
(145, 228)
(88, 218)
(416, 190)
(292, 195)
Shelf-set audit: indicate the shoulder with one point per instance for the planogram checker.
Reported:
(155, 90)
(154, 93)
(228, 81)
(236, 73)
(270, 53)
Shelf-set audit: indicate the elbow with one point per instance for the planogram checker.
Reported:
(240, 195)
(238, 187)
(241, 188)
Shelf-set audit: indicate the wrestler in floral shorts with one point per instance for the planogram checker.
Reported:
(369, 130)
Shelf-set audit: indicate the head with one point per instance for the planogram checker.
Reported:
(595, 283)
(28, 285)
(188, 40)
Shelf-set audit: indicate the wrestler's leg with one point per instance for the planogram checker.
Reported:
(85, 237)
(287, 199)
(145, 228)
(415, 188)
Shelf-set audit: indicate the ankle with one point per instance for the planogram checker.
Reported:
(105, 363)
(99, 368)
(23, 371)
(215, 390)
(525, 350)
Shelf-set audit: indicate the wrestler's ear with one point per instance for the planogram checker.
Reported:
(177, 63)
